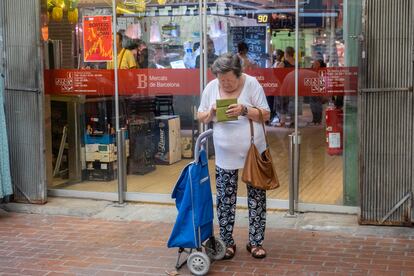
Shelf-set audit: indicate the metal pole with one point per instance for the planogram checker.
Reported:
(296, 138)
(115, 63)
(202, 127)
(291, 182)
(200, 13)
(205, 53)
(121, 156)
(296, 165)
(120, 164)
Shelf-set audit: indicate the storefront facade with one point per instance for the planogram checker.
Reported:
(81, 109)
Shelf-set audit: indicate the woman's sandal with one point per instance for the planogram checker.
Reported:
(257, 252)
(230, 251)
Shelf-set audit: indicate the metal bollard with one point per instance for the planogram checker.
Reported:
(294, 158)
(296, 168)
(291, 176)
(120, 138)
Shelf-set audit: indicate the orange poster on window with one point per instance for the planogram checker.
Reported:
(97, 38)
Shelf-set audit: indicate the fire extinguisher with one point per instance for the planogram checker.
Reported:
(334, 129)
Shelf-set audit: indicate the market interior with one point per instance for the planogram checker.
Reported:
(164, 36)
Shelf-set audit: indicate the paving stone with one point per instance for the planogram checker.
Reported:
(40, 244)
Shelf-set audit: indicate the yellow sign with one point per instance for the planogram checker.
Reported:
(262, 18)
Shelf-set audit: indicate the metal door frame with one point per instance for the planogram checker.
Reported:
(371, 214)
(24, 105)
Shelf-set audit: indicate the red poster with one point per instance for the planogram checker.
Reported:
(97, 38)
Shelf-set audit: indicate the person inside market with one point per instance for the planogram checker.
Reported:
(142, 54)
(274, 100)
(284, 105)
(211, 56)
(316, 101)
(278, 58)
(242, 50)
(125, 57)
(230, 83)
(139, 49)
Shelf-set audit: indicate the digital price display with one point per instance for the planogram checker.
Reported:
(262, 18)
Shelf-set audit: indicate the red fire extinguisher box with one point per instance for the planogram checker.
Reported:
(334, 129)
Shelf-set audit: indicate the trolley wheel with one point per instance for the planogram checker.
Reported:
(198, 263)
(220, 251)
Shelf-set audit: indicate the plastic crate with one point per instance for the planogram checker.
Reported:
(102, 138)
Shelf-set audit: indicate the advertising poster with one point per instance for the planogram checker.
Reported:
(97, 38)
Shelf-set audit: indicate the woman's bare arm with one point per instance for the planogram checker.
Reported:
(207, 116)
(252, 113)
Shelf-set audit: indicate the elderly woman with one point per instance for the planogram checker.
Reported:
(231, 143)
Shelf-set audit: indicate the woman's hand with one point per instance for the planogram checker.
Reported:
(235, 110)
(207, 116)
(213, 111)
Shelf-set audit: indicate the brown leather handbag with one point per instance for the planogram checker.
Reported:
(258, 170)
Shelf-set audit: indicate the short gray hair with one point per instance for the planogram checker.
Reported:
(226, 63)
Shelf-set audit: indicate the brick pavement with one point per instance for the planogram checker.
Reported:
(32, 244)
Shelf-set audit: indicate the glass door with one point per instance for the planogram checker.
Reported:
(159, 47)
(253, 30)
(158, 99)
(326, 110)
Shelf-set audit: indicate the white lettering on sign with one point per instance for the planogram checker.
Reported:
(270, 85)
(142, 81)
(267, 84)
(158, 78)
(145, 81)
(167, 84)
(161, 143)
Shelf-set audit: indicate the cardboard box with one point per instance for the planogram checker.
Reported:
(105, 148)
(98, 171)
(101, 157)
(102, 148)
(109, 148)
(92, 147)
(186, 147)
(168, 140)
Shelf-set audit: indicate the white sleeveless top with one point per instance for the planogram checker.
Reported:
(232, 138)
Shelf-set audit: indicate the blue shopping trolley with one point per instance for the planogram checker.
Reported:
(193, 228)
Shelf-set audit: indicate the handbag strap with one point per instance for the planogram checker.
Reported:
(252, 129)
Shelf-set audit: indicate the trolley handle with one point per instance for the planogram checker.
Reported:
(201, 140)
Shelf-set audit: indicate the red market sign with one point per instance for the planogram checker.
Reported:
(97, 38)
(275, 82)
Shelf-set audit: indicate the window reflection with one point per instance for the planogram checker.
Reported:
(159, 88)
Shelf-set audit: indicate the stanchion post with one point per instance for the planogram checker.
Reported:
(296, 142)
(121, 156)
(291, 176)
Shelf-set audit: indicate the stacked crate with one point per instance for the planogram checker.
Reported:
(100, 140)
(101, 157)
(141, 112)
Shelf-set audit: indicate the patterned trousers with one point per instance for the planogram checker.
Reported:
(226, 183)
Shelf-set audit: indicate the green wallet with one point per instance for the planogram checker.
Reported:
(222, 106)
